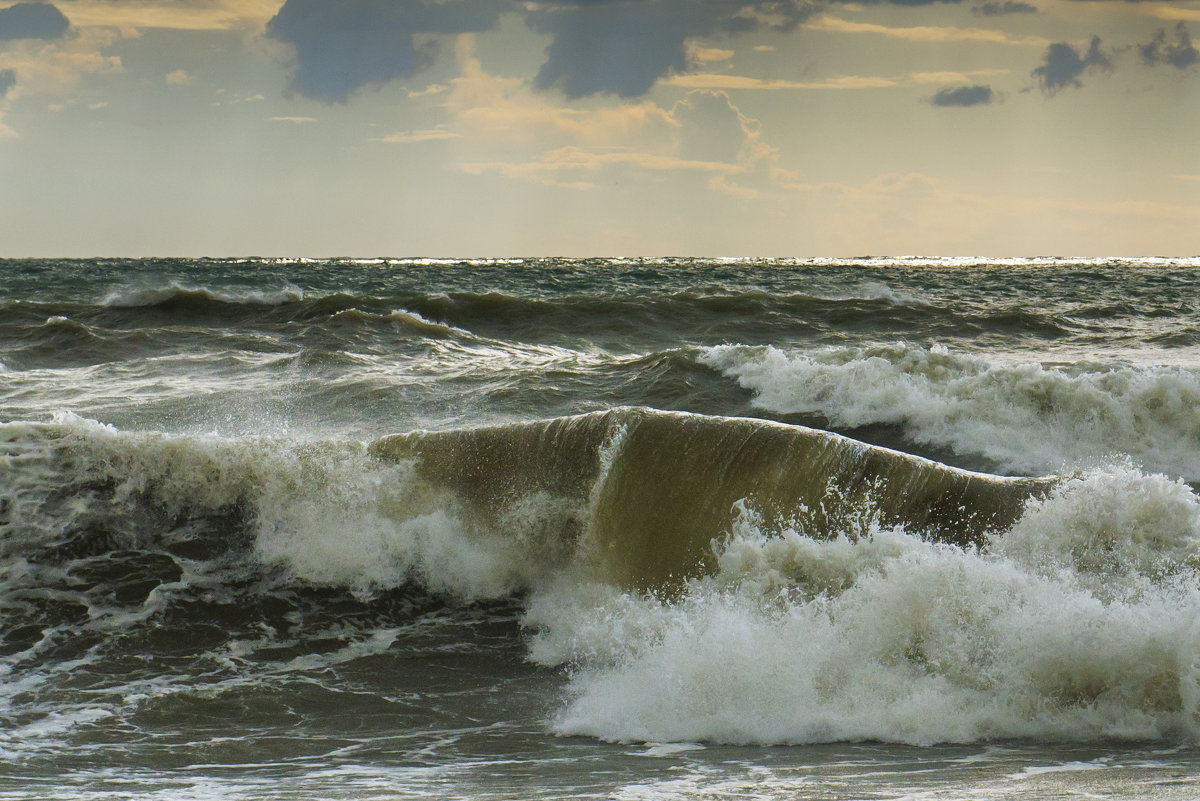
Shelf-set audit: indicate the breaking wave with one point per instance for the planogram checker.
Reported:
(1079, 624)
(1024, 418)
(696, 578)
(183, 294)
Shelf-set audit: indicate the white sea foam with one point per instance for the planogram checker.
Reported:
(326, 512)
(1025, 418)
(893, 638)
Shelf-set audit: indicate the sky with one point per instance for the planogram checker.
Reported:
(445, 128)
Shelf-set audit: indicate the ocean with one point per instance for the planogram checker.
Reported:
(599, 529)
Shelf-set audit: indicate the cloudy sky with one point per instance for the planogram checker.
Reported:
(599, 127)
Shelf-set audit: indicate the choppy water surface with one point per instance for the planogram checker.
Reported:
(501, 529)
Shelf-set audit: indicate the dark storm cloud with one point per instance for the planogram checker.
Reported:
(623, 46)
(1005, 8)
(1062, 65)
(619, 47)
(8, 79)
(342, 45)
(1181, 53)
(615, 46)
(32, 21)
(963, 96)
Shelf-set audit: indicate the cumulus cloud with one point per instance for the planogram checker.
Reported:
(618, 47)
(344, 45)
(963, 96)
(506, 109)
(1062, 65)
(1181, 53)
(622, 47)
(995, 9)
(56, 66)
(32, 21)
(615, 47)
(8, 79)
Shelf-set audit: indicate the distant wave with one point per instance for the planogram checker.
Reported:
(878, 290)
(499, 303)
(135, 297)
(612, 320)
(1025, 418)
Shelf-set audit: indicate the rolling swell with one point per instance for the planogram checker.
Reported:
(659, 487)
(634, 318)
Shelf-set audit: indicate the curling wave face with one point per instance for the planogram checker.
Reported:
(658, 487)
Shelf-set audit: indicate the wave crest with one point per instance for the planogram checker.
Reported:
(1024, 418)
(184, 294)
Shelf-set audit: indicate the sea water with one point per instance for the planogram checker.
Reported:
(575, 529)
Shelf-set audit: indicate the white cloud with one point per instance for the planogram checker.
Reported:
(719, 81)
(432, 89)
(409, 137)
(503, 108)
(133, 15)
(700, 54)
(57, 67)
(925, 33)
(708, 136)
(722, 81)
(1170, 11)
(576, 161)
(179, 78)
